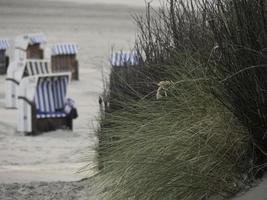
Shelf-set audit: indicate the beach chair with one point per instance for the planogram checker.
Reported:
(41, 103)
(17, 71)
(121, 76)
(4, 59)
(64, 59)
(30, 46)
(121, 59)
(122, 63)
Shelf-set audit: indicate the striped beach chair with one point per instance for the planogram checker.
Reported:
(4, 60)
(17, 71)
(64, 59)
(41, 102)
(29, 46)
(122, 65)
(122, 58)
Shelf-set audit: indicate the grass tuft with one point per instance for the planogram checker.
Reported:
(186, 145)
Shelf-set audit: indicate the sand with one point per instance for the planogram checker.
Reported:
(79, 190)
(46, 166)
(257, 192)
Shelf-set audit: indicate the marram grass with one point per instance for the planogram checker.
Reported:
(183, 146)
(188, 145)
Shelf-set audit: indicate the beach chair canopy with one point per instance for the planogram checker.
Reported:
(4, 44)
(19, 70)
(36, 67)
(64, 49)
(124, 58)
(22, 42)
(31, 68)
(37, 38)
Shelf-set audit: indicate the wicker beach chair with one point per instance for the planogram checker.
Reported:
(121, 76)
(123, 63)
(30, 46)
(64, 59)
(4, 59)
(41, 103)
(17, 71)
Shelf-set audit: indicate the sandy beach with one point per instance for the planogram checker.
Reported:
(30, 162)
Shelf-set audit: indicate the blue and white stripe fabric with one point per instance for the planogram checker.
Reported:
(64, 49)
(124, 58)
(36, 38)
(4, 44)
(50, 97)
(36, 67)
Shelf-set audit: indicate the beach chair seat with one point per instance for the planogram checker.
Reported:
(56, 114)
(17, 71)
(64, 59)
(41, 103)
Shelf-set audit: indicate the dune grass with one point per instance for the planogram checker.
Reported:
(240, 30)
(183, 146)
(205, 136)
